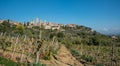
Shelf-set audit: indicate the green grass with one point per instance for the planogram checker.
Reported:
(7, 62)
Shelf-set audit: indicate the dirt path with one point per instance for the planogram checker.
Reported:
(63, 58)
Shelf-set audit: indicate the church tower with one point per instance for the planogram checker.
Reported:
(37, 20)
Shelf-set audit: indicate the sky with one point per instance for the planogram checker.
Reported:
(101, 15)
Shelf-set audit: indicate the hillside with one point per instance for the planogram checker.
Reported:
(73, 45)
(63, 58)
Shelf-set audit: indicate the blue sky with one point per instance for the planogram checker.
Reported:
(101, 15)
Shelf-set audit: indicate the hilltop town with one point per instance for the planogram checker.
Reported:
(43, 23)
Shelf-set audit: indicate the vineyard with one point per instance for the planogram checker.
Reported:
(20, 45)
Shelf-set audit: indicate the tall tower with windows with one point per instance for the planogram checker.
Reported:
(37, 20)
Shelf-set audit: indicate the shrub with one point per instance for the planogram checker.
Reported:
(47, 56)
(55, 51)
(60, 35)
(75, 52)
(87, 58)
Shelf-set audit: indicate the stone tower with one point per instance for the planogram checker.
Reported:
(37, 20)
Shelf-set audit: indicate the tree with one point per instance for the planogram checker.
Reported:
(20, 29)
(28, 23)
(52, 35)
(60, 35)
(5, 26)
(25, 24)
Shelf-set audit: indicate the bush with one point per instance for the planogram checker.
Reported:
(87, 58)
(47, 56)
(75, 52)
(60, 35)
